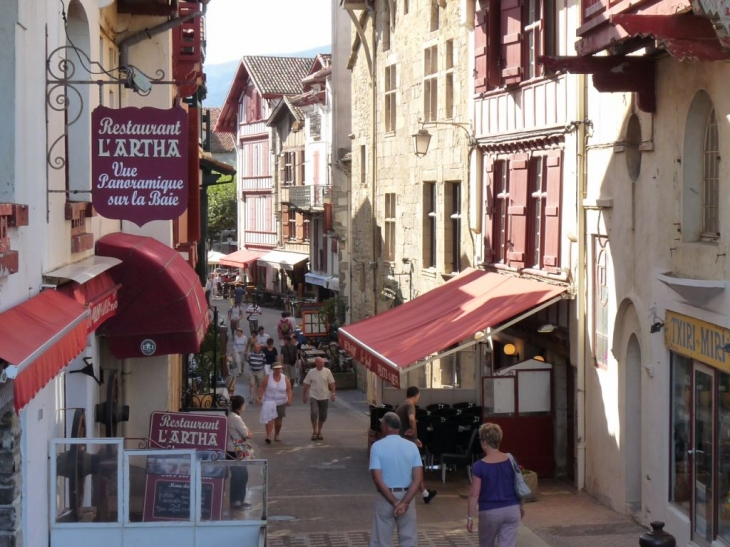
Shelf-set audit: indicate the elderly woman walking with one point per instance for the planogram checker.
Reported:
(493, 490)
(275, 394)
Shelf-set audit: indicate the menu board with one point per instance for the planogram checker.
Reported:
(169, 498)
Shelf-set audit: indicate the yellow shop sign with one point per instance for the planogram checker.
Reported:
(697, 339)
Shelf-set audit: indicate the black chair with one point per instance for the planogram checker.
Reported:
(462, 406)
(436, 406)
(447, 413)
(465, 457)
(444, 439)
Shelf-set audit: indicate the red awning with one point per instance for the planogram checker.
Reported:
(162, 308)
(241, 259)
(474, 300)
(39, 337)
(98, 294)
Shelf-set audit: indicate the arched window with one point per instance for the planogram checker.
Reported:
(700, 170)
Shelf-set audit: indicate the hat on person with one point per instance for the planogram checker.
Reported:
(278, 365)
(391, 419)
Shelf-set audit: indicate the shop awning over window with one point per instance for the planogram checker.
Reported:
(397, 339)
(282, 259)
(316, 279)
(162, 308)
(38, 338)
(99, 294)
(240, 259)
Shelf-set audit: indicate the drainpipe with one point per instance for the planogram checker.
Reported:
(581, 294)
(148, 33)
(373, 159)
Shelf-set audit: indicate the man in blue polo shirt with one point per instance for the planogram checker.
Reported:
(397, 473)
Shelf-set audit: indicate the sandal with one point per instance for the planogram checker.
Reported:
(314, 436)
(277, 439)
(320, 437)
(268, 441)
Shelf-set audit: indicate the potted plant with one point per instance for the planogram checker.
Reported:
(333, 313)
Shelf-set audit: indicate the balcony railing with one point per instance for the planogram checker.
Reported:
(249, 184)
(251, 237)
(306, 198)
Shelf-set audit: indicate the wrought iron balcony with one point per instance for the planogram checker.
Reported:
(306, 198)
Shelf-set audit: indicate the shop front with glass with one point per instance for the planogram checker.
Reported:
(699, 483)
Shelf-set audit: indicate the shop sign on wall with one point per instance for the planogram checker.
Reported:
(697, 339)
(139, 163)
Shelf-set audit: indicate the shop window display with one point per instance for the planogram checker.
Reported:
(681, 389)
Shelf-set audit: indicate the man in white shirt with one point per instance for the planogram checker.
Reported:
(262, 337)
(253, 312)
(322, 385)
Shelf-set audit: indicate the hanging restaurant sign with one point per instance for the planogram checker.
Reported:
(139, 163)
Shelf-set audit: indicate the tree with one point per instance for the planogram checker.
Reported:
(222, 211)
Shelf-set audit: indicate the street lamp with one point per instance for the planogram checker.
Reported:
(422, 138)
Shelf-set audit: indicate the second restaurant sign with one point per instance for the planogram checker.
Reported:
(139, 163)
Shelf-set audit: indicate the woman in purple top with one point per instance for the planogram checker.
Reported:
(493, 489)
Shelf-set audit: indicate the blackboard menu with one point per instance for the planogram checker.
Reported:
(170, 499)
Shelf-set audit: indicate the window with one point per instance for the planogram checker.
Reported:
(292, 221)
(449, 80)
(522, 210)
(509, 38)
(390, 104)
(405, 7)
(288, 168)
(700, 172)
(386, 28)
(430, 84)
(501, 200)
(305, 229)
(452, 227)
(434, 23)
(537, 211)
(681, 398)
(710, 180)
(429, 225)
(363, 164)
(601, 301)
(389, 248)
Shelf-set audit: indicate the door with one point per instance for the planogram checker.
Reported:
(702, 451)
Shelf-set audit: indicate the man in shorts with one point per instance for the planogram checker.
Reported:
(407, 413)
(256, 360)
(289, 359)
(322, 385)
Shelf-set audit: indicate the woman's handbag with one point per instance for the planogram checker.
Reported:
(521, 488)
(244, 450)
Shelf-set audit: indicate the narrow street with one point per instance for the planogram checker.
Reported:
(321, 493)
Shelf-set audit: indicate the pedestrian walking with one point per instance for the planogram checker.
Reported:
(262, 337)
(493, 491)
(240, 341)
(285, 327)
(397, 472)
(253, 312)
(217, 285)
(256, 362)
(208, 288)
(235, 314)
(275, 394)
(271, 354)
(289, 359)
(408, 429)
(238, 293)
(319, 384)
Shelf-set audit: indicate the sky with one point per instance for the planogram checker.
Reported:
(255, 27)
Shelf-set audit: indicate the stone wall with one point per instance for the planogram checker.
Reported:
(10, 477)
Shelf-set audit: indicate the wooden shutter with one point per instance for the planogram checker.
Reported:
(315, 168)
(268, 214)
(324, 254)
(300, 226)
(554, 179)
(511, 27)
(327, 217)
(517, 210)
(285, 233)
(494, 45)
(256, 106)
(300, 167)
(489, 250)
(282, 168)
(480, 50)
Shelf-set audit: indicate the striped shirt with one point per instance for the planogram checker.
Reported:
(256, 361)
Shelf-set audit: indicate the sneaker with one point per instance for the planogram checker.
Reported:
(431, 495)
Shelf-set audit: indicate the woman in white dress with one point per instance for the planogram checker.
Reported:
(275, 394)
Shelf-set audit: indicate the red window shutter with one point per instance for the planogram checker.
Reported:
(494, 46)
(489, 250)
(554, 179)
(480, 51)
(193, 177)
(284, 222)
(324, 253)
(511, 27)
(327, 217)
(315, 168)
(256, 106)
(517, 211)
(249, 104)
